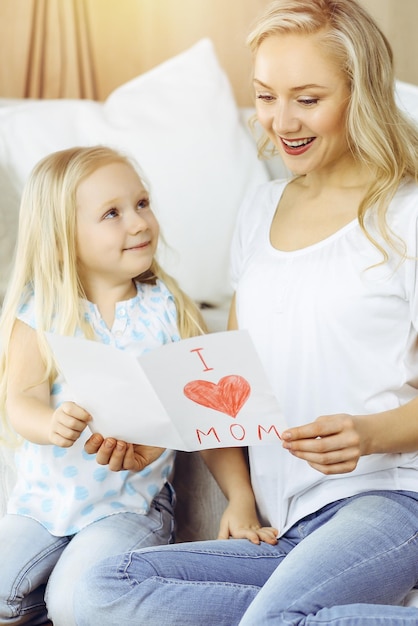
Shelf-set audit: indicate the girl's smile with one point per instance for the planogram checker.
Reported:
(139, 246)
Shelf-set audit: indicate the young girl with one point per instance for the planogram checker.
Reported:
(325, 273)
(85, 265)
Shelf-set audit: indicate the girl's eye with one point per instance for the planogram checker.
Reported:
(111, 214)
(308, 101)
(143, 203)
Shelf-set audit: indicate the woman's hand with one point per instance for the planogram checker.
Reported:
(120, 455)
(241, 522)
(332, 444)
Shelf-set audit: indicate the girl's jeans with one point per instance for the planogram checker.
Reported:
(351, 563)
(32, 560)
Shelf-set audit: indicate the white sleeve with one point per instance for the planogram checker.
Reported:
(258, 206)
(403, 222)
(412, 273)
(238, 238)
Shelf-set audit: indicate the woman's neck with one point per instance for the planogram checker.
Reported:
(350, 175)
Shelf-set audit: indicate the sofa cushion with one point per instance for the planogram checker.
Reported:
(182, 125)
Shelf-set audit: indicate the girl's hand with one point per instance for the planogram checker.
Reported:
(120, 455)
(238, 523)
(68, 422)
(332, 444)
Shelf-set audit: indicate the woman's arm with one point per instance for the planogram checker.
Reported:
(239, 520)
(120, 455)
(333, 444)
(28, 395)
(230, 469)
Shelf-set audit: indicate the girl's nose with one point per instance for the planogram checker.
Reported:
(137, 222)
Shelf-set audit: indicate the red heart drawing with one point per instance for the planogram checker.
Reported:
(228, 395)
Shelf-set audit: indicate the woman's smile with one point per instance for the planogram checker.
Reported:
(295, 147)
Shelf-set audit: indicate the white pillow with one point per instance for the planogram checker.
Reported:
(181, 123)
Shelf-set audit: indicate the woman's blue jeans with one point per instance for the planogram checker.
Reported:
(350, 564)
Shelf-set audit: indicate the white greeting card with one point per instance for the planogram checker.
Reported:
(204, 392)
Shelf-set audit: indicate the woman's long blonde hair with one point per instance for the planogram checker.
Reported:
(379, 134)
(46, 258)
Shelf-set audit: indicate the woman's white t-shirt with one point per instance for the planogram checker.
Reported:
(335, 335)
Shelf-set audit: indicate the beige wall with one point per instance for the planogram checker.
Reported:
(399, 21)
(166, 27)
(128, 37)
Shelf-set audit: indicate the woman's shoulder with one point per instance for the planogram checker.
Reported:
(404, 205)
(262, 201)
(407, 190)
(402, 217)
(271, 190)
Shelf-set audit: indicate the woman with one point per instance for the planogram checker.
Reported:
(324, 268)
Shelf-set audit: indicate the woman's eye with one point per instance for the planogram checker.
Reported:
(308, 101)
(265, 97)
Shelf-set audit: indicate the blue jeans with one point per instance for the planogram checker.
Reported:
(38, 571)
(350, 563)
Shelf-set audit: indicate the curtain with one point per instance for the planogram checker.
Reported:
(60, 59)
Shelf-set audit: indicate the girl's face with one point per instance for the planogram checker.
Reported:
(301, 102)
(116, 231)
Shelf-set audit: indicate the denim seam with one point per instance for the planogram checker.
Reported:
(195, 583)
(23, 574)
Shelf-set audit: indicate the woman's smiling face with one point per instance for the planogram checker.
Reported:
(301, 102)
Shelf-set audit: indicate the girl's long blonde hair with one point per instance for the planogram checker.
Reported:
(379, 134)
(46, 258)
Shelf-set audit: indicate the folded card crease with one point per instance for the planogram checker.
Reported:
(204, 392)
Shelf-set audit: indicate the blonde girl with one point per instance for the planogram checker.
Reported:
(85, 265)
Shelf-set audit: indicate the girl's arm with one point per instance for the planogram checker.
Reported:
(28, 395)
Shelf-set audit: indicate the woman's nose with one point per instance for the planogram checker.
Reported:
(285, 120)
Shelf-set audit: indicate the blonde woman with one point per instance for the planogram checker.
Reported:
(85, 265)
(325, 272)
